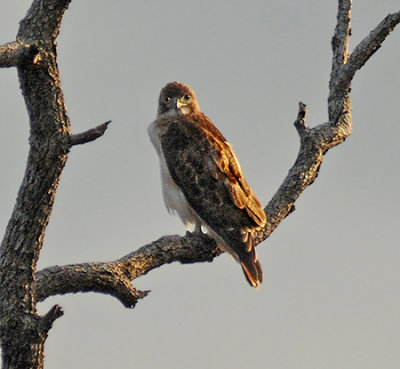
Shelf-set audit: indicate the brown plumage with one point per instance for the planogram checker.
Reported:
(202, 178)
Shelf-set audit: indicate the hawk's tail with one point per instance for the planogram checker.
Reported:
(252, 269)
(244, 252)
(249, 262)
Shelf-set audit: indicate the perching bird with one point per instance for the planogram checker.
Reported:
(202, 180)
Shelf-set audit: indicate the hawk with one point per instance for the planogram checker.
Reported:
(202, 180)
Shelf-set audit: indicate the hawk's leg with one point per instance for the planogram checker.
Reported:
(197, 227)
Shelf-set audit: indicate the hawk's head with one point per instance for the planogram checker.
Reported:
(177, 97)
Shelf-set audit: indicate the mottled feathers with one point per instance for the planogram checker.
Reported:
(205, 169)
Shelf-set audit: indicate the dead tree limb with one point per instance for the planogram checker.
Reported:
(89, 135)
(14, 54)
(115, 278)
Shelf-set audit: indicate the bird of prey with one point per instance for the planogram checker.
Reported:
(202, 180)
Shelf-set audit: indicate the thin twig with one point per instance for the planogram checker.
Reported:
(89, 135)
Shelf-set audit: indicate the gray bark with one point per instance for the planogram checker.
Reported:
(22, 331)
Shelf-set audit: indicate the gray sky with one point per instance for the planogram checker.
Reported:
(330, 296)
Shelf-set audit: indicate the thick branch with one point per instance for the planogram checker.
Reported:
(340, 39)
(88, 277)
(15, 54)
(339, 101)
(42, 21)
(115, 277)
(313, 143)
(89, 135)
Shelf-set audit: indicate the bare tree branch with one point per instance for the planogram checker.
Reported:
(105, 278)
(42, 21)
(15, 54)
(313, 144)
(51, 316)
(340, 39)
(89, 135)
(364, 50)
(115, 277)
(339, 100)
(371, 44)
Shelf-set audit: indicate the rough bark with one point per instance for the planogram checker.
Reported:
(115, 277)
(22, 331)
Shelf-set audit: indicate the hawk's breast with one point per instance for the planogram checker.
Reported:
(174, 198)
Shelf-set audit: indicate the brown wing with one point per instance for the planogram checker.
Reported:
(205, 168)
(242, 194)
(228, 163)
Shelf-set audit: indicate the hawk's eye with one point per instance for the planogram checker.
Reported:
(167, 100)
(187, 97)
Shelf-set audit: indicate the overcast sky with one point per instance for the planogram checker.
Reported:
(330, 296)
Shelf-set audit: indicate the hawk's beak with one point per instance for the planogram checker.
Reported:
(179, 103)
